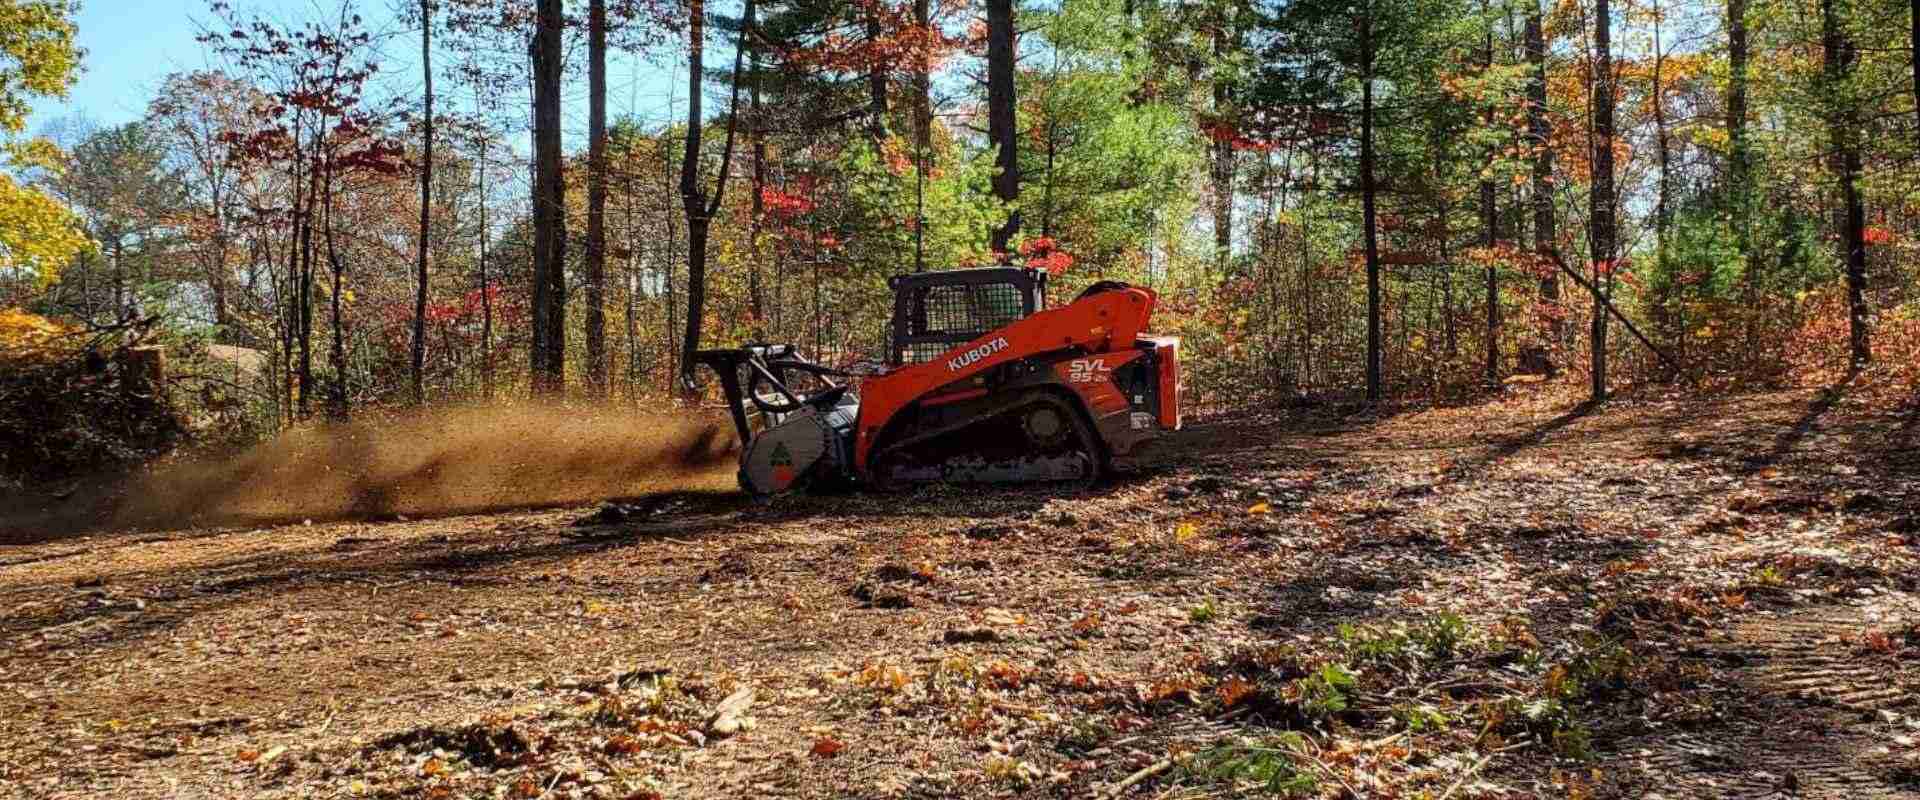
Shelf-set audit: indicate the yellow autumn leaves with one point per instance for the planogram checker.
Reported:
(1188, 530)
(38, 235)
(28, 335)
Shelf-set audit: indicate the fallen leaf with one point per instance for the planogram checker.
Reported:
(827, 747)
(1001, 618)
(1185, 531)
(1260, 508)
(730, 717)
(1233, 691)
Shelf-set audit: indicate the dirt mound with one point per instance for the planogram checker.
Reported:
(440, 462)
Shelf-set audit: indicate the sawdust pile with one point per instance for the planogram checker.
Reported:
(447, 461)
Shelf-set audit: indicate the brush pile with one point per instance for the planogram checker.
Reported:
(74, 400)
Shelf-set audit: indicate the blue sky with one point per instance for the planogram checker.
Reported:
(132, 45)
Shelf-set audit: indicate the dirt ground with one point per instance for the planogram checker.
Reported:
(1658, 599)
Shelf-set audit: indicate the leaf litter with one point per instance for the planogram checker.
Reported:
(1498, 602)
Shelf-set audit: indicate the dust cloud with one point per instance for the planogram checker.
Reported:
(440, 462)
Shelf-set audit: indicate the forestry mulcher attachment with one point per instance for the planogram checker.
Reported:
(983, 383)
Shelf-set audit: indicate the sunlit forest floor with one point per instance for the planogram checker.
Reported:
(1672, 599)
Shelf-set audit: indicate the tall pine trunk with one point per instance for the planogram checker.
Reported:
(1664, 305)
(1740, 171)
(1490, 224)
(1545, 228)
(1602, 227)
(596, 252)
(876, 81)
(1001, 119)
(1370, 217)
(549, 207)
(426, 206)
(923, 133)
(1222, 156)
(1844, 131)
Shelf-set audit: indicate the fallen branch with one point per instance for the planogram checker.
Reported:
(1472, 771)
(1607, 303)
(1323, 767)
(1146, 772)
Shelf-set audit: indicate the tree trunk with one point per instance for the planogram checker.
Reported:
(1545, 235)
(548, 356)
(426, 206)
(923, 133)
(670, 294)
(1602, 198)
(1490, 226)
(756, 221)
(596, 255)
(633, 280)
(1740, 172)
(1663, 153)
(693, 198)
(700, 209)
(1367, 206)
(1844, 129)
(1222, 160)
(120, 303)
(304, 220)
(876, 82)
(1740, 158)
(486, 294)
(337, 355)
(1002, 121)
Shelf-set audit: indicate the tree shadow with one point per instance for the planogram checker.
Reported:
(1513, 446)
(1785, 442)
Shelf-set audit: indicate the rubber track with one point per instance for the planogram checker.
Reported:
(1807, 718)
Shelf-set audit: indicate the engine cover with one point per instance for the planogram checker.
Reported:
(803, 446)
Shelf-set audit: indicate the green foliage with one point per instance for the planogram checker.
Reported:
(1326, 692)
(37, 41)
(1272, 767)
(37, 234)
(1436, 638)
(1203, 613)
(1104, 172)
(1421, 718)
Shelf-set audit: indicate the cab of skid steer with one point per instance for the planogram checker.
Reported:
(934, 312)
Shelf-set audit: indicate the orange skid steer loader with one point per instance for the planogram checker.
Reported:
(983, 383)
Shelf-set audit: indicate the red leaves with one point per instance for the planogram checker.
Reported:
(321, 75)
(784, 205)
(1221, 131)
(1042, 253)
(827, 747)
(901, 45)
(1876, 236)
